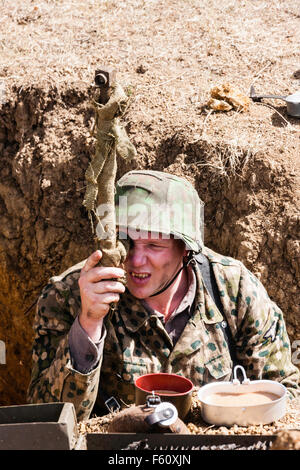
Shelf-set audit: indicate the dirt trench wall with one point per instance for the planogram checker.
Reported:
(45, 146)
(44, 153)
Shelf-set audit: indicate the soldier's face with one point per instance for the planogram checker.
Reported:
(151, 263)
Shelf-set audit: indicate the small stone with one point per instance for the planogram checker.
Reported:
(45, 184)
(141, 69)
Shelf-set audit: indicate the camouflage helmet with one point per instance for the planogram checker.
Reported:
(159, 202)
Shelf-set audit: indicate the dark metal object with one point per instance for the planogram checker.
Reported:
(292, 101)
(105, 78)
(166, 441)
(47, 426)
(152, 400)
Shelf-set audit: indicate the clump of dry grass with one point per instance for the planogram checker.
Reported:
(225, 163)
(227, 160)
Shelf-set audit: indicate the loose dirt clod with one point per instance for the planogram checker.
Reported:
(225, 97)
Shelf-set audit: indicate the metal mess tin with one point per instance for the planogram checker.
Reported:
(242, 414)
(292, 101)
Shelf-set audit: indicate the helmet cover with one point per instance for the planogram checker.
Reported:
(159, 202)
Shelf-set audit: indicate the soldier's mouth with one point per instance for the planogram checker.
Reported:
(139, 277)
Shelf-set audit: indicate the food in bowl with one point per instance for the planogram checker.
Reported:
(241, 399)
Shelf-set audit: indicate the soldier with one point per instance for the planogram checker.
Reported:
(185, 309)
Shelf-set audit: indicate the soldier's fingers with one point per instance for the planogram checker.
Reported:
(99, 273)
(98, 300)
(108, 298)
(109, 286)
(92, 261)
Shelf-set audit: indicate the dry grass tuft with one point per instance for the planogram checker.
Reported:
(226, 162)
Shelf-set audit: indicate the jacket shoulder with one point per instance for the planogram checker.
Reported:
(73, 270)
(221, 259)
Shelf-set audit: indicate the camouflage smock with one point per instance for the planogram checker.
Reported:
(137, 343)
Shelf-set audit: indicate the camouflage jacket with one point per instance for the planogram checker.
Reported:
(137, 343)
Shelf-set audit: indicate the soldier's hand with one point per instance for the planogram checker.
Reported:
(97, 291)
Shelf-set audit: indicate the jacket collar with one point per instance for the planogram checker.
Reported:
(135, 315)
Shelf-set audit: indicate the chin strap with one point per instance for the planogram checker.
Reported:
(185, 263)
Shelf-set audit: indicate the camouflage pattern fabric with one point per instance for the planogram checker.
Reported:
(137, 342)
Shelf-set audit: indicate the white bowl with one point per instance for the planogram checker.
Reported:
(228, 415)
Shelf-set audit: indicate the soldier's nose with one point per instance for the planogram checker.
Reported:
(137, 257)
